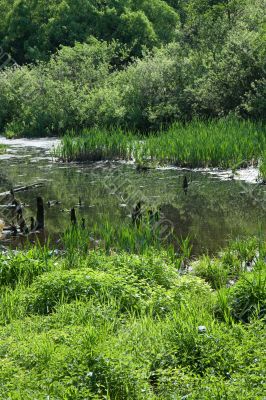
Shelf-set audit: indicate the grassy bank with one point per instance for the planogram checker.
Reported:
(221, 143)
(118, 325)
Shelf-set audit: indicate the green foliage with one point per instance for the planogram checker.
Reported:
(122, 325)
(32, 30)
(213, 271)
(44, 99)
(263, 168)
(248, 297)
(22, 269)
(96, 145)
(220, 143)
(150, 70)
(240, 256)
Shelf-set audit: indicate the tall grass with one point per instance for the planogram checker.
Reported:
(125, 237)
(2, 149)
(218, 143)
(262, 168)
(226, 143)
(114, 324)
(96, 145)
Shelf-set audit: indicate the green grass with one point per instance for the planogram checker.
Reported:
(111, 323)
(96, 145)
(225, 143)
(262, 168)
(2, 149)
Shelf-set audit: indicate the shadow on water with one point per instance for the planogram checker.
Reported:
(211, 211)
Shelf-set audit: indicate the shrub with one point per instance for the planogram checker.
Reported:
(22, 268)
(213, 271)
(248, 297)
(57, 287)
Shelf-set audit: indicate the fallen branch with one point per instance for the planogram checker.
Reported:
(22, 189)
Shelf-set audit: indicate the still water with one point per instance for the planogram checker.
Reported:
(215, 209)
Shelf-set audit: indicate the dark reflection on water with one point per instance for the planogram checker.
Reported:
(212, 212)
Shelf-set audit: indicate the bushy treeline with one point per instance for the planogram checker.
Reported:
(31, 30)
(131, 64)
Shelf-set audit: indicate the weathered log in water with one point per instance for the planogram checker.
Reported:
(21, 189)
(51, 203)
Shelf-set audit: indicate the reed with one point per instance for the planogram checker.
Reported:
(224, 143)
(220, 143)
(124, 237)
(262, 168)
(96, 145)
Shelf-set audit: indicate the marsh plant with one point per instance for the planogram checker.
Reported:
(262, 168)
(224, 143)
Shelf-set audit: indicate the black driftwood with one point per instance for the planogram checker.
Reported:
(40, 214)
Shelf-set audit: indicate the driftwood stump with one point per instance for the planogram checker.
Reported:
(40, 214)
(73, 216)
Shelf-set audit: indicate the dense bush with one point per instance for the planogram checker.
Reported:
(154, 73)
(65, 286)
(46, 99)
(33, 30)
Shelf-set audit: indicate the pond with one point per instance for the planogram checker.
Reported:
(215, 209)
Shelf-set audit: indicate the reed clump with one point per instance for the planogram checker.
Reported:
(96, 145)
(224, 143)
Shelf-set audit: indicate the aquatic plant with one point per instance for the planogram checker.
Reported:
(221, 143)
(262, 168)
(96, 145)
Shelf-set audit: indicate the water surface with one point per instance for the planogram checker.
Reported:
(215, 209)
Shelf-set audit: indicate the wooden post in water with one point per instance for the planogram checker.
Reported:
(32, 224)
(73, 216)
(185, 185)
(40, 214)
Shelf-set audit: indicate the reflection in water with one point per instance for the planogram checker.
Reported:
(210, 211)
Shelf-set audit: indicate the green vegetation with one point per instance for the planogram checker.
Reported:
(97, 145)
(138, 65)
(2, 149)
(119, 325)
(119, 312)
(217, 143)
(263, 168)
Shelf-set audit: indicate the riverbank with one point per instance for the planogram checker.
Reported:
(119, 325)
